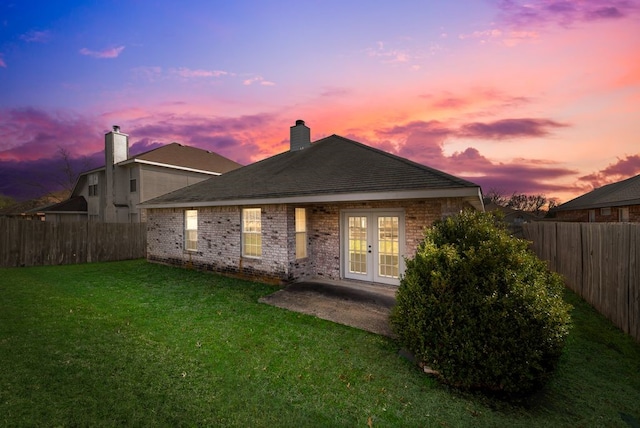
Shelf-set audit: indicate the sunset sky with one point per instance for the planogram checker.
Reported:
(530, 96)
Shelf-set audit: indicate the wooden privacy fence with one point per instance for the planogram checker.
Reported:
(34, 243)
(600, 262)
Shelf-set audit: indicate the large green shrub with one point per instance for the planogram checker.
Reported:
(479, 307)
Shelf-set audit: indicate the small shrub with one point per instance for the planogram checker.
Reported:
(479, 307)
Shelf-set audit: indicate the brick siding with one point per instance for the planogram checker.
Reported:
(219, 237)
(583, 215)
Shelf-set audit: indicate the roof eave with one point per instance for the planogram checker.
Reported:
(473, 195)
(599, 205)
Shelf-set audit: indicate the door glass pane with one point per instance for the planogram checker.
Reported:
(388, 249)
(358, 245)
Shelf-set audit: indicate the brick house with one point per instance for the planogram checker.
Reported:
(616, 202)
(333, 209)
(111, 193)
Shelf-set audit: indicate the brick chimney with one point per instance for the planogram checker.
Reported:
(300, 136)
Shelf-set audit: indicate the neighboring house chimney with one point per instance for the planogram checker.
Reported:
(116, 149)
(300, 136)
(116, 146)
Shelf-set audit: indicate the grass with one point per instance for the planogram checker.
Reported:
(137, 344)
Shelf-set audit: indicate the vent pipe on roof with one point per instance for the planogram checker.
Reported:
(300, 136)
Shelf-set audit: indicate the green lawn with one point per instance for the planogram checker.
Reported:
(137, 344)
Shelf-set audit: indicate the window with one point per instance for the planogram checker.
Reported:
(251, 232)
(93, 185)
(133, 184)
(605, 211)
(301, 233)
(191, 230)
(592, 216)
(623, 214)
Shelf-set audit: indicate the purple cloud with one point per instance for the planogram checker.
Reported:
(424, 142)
(2, 63)
(510, 128)
(540, 12)
(626, 167)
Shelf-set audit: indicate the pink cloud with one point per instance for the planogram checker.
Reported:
(626, 167)
(257, 79)
(106, 53)
(335, 92)
(2, 63)
(478, 98)
(188, 73)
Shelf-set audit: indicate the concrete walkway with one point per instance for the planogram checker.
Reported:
(361, 305)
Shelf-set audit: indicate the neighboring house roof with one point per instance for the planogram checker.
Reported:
(331, 169)
(185, 157)
(510, 215)
(74, 204)
(621, 193)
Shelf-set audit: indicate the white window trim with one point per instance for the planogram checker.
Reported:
(190, 227)
(301, 232)
(245, 233)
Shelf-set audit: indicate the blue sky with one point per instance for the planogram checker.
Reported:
(536, 97)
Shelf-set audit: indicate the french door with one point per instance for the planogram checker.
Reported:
(373, 244)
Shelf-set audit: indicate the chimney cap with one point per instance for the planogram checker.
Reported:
(299, 122)
(116, 128)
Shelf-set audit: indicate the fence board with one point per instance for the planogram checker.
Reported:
(33, 243)
(600, 262)
(634, 278)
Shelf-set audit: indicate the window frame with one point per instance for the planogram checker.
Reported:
(190, 230)
(251, 233)
(300, 233)
(133, 182)
(93, 185)
(623, 214)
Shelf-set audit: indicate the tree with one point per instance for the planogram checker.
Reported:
(68, 173)
(6, 201)
(497, 196)
(64, 176)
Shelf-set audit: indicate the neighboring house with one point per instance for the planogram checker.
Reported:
(33, 209)
(616, 202)
(331, 209)
(111, 193)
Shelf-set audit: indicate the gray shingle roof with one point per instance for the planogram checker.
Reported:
(76, 204)
(330, 166)
(622, 193)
